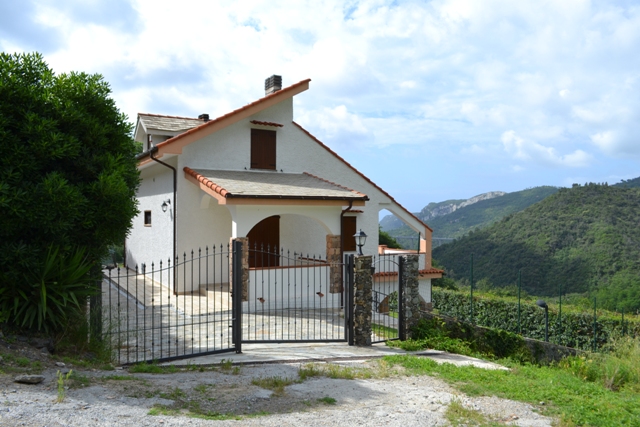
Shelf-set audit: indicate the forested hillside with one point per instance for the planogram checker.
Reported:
(629, 183)
(580, 239)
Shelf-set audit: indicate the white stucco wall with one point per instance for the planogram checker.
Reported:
(145, 245)
(293, 288)
(303, 235)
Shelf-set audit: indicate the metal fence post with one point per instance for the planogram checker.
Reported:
(595, 330)
(237, 295)
(519, 287)
(471, 293)
(402, 332)
(348, 315)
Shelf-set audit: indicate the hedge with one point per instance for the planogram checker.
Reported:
(574, 330)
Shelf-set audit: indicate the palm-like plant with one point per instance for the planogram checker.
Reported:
(49, 293)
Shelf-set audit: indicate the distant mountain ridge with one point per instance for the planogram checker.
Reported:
(434, 210)
(455, 218)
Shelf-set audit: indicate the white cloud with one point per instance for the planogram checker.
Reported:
(531, 151)
(555, 79)
(337, 126)
(618, 143)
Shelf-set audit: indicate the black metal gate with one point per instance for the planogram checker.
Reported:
(292, 297)
(169, 311)
(387, 322)
(190, 307)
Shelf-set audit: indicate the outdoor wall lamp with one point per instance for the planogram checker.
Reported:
(540, 303)
(361, 238)
(165, 205)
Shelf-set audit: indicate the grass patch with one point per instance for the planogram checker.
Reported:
(330, 370)
(23, 362)
(202, 388)
(458, 415)
(153, 368)
(175, 394)
(616, 370)
(77, 379)
(309, 370)
(327, 400)
(277, 384)
(60, 385)
(574, 400)
(226, 365)
(121, 378)
(384, 332)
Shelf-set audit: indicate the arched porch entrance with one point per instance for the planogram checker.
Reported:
(264, 243)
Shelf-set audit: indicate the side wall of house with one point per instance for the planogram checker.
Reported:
(151, 244)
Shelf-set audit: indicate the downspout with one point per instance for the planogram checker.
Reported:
(152, 151)
(342, 250)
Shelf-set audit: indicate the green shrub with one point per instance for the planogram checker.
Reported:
(618, 368)
(393, 301)
(573, 329)
(57, 288)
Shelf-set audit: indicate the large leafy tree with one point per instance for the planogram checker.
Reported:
(67, 169)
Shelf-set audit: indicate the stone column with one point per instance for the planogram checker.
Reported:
(363, 298)
(335, 263)
(245, 266)
(411, 292)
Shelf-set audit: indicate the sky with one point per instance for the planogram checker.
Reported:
(432, 100)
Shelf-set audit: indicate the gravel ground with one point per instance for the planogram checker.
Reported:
(118, 398)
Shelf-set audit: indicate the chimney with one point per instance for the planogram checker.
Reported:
(204, 117)
(272, 84)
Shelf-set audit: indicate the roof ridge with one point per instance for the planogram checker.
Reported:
(360, 173)
(219, 119)
(333, 183)
(168, 117)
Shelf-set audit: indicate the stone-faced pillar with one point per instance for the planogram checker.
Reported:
(245, 266)
(411, 292)
(363, 299)
(335, 263)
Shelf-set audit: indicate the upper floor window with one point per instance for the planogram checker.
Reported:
(263, 149)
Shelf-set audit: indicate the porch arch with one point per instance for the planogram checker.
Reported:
(245, 217)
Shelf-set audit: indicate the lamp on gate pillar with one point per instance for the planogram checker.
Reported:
(540, 303)
(361, 238)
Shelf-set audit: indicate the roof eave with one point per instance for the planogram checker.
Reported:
(177, 143)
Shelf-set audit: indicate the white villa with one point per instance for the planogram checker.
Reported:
(255, 173)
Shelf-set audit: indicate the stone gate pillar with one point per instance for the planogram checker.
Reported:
(245, 266)
(335, 263)
(411, 292)
(363, 300)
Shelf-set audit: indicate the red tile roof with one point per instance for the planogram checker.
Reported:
(258, 122)
(284, 94)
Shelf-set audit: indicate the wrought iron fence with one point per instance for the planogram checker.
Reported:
(168, 310)
(212, 300)
(387, 296)
(293, 297)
